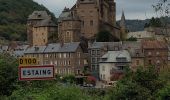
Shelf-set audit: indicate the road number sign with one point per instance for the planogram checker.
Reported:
(27, 61)
(36, 72)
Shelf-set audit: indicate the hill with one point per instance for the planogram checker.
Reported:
(13, 17)
(135, 25)
(138, 25)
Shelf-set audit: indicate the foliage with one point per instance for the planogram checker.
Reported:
(139, 85)
(14, 14)
(164, 94)
(104, 36)
(8, 74)
(50, 90)
(132, 39)
(154, 22)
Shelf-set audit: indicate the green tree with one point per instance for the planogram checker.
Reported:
(8, 74)
(139, 85)
(104, 36)
(132, 39)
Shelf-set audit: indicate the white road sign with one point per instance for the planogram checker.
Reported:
(36, 72)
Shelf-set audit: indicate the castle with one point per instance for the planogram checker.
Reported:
(84, 20)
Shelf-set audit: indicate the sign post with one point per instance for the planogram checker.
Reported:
(45, 72)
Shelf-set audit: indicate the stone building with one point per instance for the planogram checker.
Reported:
(96, 51)
(40, 28)
(86, 18)
(136, 53)
(112, 63)
(68, 58)
(155, 53)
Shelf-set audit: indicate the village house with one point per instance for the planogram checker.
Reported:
(97, 50)
(135, 50)
(155, 53)
(113, 63)
(68, 58)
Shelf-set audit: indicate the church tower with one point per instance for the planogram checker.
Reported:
(123, 27)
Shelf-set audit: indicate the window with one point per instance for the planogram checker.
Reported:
(93, 60)
(59, 55)
(149, 53)
(79, 62)
(150, 62)
(64, 55)
(93, 52)
(93, 67)
(91, 23)
(104, 76)
(78, 54)
(158, 61)
(69, 63)
(137, 62)
(157, 53)
(51, 62)
(55, 62)
(103, 68)
(98, 52)
(120, 67)
(82, 23)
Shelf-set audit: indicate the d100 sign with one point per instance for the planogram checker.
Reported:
(36, 72)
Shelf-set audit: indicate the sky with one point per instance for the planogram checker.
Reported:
(133, 9)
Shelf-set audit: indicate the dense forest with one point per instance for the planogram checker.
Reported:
(13, 17)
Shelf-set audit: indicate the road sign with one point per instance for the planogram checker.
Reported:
(36, 72)
(27, 61)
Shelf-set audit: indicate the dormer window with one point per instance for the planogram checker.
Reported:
(39, 16)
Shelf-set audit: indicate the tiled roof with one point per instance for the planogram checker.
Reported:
(154, 44)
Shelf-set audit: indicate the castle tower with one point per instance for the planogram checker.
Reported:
(69, 27)
(39, 28)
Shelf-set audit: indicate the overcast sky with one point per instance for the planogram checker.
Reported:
(134, 9)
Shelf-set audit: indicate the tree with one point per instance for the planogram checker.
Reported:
(104, 36)
(8, 74)
(162, 9)
(132, 39)
(139, 85)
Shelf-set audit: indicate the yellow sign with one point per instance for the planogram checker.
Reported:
(27, 61)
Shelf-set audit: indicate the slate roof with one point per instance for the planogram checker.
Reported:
(46, 22)
(38, 15)
(111, 56)
(133, 48)
(3, 48)
(54, 48)
(67, 15)
(57, 47)
(109, 45)
(35, 49)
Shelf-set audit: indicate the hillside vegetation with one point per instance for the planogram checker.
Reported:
(13, 17)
